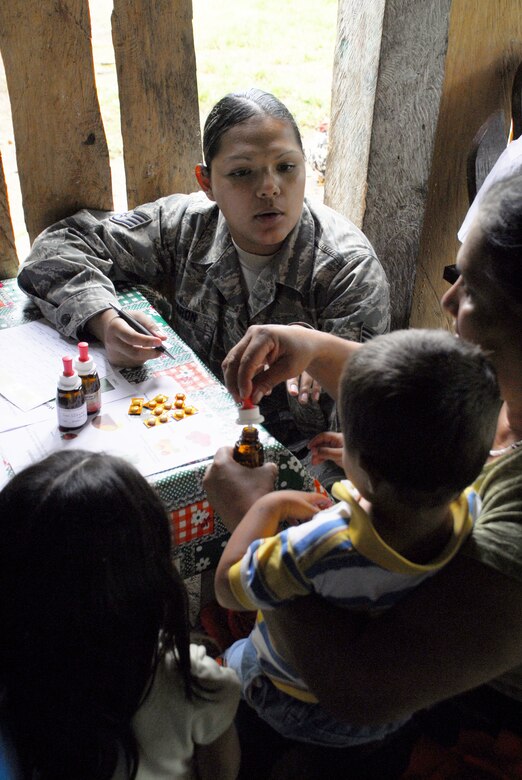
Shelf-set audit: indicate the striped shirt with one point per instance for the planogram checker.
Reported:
(337, 555)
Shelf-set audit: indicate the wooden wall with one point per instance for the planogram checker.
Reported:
(381, 147)
(62, 154)
(484, 51)
(413, 82)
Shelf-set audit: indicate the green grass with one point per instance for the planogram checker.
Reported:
(283, 46)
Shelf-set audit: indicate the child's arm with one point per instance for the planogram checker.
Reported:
(261, 521)
(220, 759)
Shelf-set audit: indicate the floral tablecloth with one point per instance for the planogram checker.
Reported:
(197, 531)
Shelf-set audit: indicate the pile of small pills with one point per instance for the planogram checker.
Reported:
(162, 409)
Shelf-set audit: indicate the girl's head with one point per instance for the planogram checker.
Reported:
(486, 299)
(254, 169)
(87, 588)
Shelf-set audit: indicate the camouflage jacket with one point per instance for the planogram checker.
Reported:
(326, 274)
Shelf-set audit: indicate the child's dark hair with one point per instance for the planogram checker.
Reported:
(89, 603)
(419, 408)
(237, 107)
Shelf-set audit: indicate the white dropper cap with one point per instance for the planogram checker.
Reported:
(84, 363)
(69, 380)
(249, 414)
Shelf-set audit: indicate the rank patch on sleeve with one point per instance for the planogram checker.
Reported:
(131, 219)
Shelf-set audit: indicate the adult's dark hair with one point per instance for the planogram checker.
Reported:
(419, 408)
(500, 218)
(89, 603)
(237, 107)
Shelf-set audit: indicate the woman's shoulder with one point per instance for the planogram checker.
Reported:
(335, 238)
(497, 536)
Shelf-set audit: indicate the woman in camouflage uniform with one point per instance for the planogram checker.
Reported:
(248, 249)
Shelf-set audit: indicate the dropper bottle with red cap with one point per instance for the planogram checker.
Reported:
(86, 368)
(70, 398)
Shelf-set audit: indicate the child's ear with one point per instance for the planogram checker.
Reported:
(203, 177)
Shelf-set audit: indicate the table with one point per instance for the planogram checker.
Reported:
(197, 531)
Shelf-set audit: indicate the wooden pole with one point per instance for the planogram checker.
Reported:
(8, 257)
(388, 74)
(484, 50)
(156, 68)
(61, 149)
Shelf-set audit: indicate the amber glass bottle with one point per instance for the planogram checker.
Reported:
(70, 399)
(249, 450)
(86, 368)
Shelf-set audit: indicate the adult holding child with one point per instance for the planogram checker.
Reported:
(248, 249)
(460, 634)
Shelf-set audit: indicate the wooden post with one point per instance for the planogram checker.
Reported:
(62, 154)
(391, 151)
(8, 258)
(156, 68)
(356, 65)
(484, 50)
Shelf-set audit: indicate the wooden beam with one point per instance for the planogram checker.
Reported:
(388, 76)
(484, 50)
(8, 256)
(354, 82)
(156, 68)
(61, 149)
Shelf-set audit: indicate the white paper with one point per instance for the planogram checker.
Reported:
(32, 361)
(150, 450)
(114, 386)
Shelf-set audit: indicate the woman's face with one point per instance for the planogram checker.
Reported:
(473, 302)
(257, 179)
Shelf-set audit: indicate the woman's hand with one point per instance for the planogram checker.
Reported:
(232, 488)
(327, 446)
(304, 388)
(125, 346)
(270, 354)
(264, 357)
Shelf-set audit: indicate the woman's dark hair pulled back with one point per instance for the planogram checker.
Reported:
(237, 107)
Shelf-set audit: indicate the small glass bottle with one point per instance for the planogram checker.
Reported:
(248, 449)
(86, 368)
(70, 399)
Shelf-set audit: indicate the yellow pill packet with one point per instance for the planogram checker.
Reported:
(136, 406)
(157, 419)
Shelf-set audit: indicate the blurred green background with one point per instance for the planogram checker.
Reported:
(283, 46)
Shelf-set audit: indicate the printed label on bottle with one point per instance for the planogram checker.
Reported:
(72, 418)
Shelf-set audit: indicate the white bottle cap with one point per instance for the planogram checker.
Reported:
(248, 414)
(69, 380)
(83, 363)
